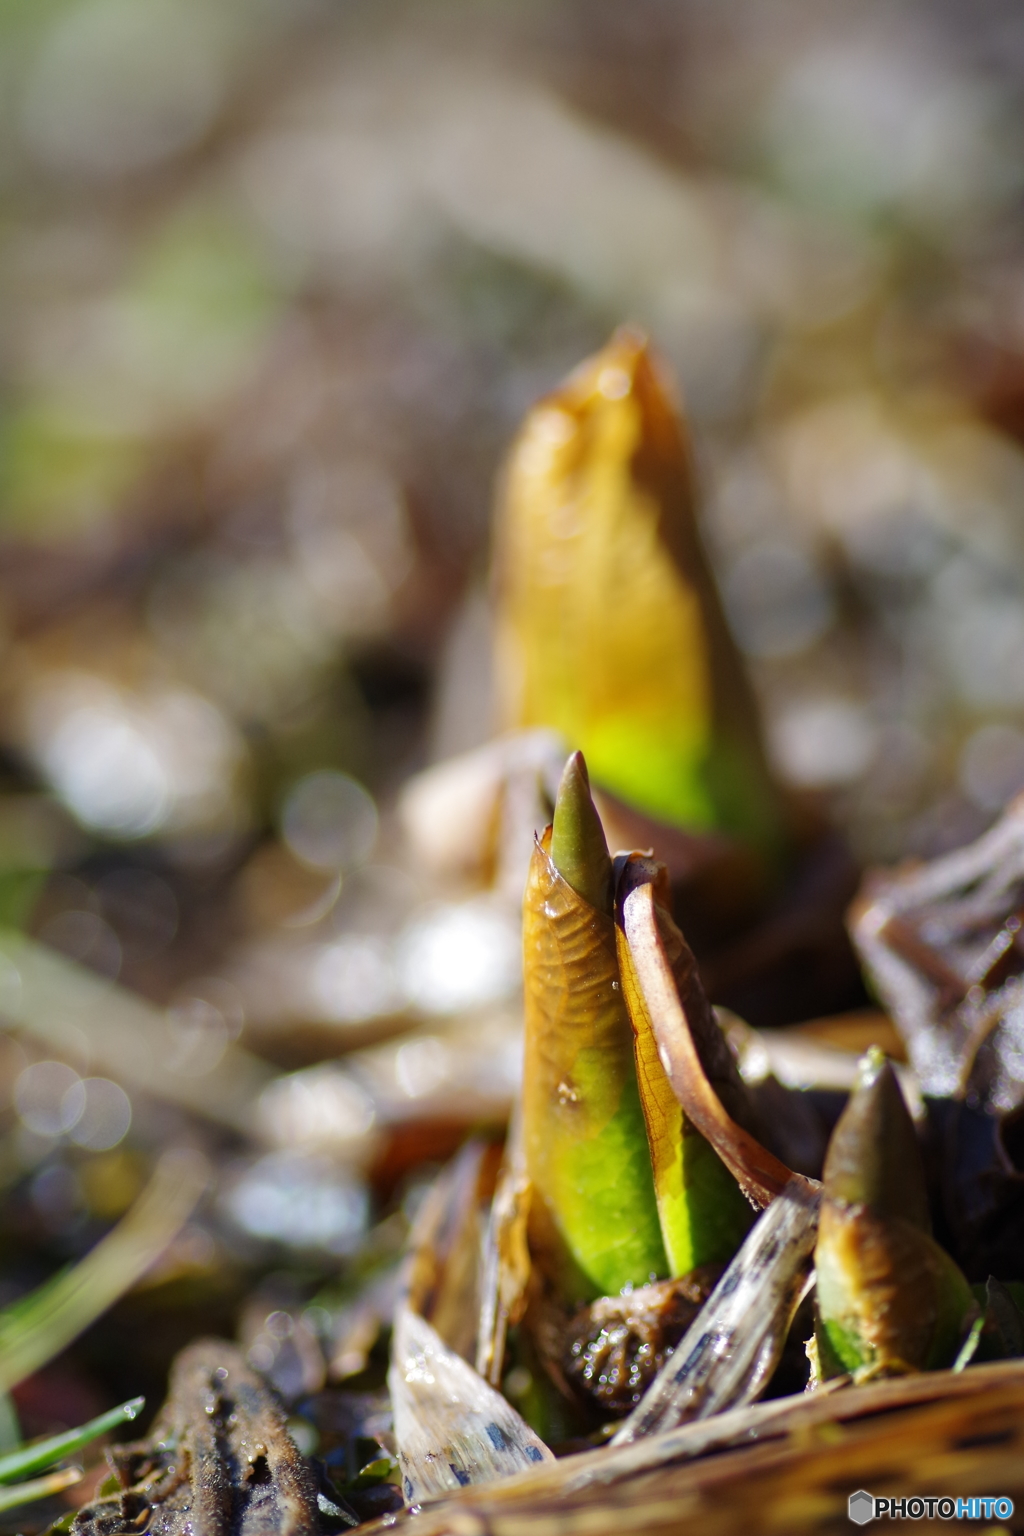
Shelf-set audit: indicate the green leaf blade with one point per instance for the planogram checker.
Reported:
(35, 1458)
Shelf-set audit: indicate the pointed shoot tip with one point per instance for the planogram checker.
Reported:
(578, 848)
(874, 1157)
(871, 1066)
(576, 765)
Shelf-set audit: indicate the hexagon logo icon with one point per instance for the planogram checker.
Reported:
(861, 1507)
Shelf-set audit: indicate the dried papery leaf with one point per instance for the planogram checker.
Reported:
(593, 1217)
(608, 627)
(731, 1349)
(676, 1017)
(506, 1262)
(441, 1279)
(943, 944)
(940, 1434)
(475, 815)
(451, 1428)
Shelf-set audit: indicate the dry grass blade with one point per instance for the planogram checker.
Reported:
(440, 1280)
(935, 1433)
(46, 1321)
(506, 1261)
(734, 1343)
(42, 993)
(39, 1488)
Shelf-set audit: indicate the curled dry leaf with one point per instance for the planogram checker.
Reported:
(686, 1074)
(669, 1008)
(943, 944)
(475, 815)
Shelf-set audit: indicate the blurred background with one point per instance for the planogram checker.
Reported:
(279, 282)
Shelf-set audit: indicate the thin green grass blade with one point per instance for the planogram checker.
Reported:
(10, 1429)
(34, 1458)
(39, 1326)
